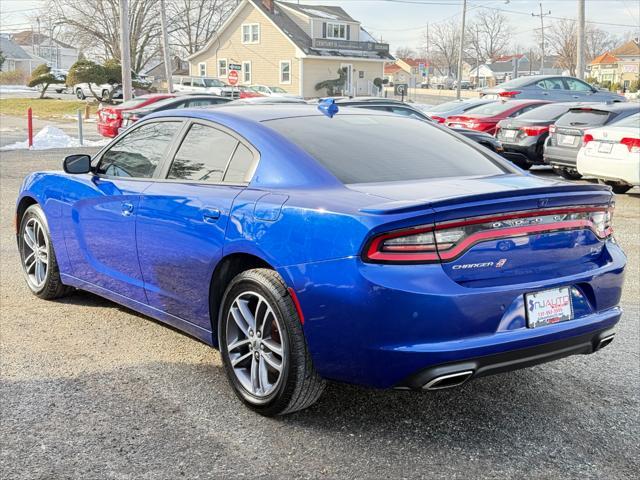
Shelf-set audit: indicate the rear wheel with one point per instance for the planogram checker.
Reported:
(105, 95)
(37, 256)
(80, 94)
(263, 347)
(568, 173)
(619, 188)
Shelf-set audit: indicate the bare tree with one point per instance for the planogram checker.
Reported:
(93, 26)
(489, 34)
(561, 39)
(405, 52)
(193, 22)
(597, 42)
(444, 42)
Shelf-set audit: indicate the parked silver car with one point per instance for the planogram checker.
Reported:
(550, 87)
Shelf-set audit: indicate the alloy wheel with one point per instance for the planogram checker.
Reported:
(35, 252)
(254, 344)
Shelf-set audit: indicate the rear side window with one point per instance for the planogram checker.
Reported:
(583, 118)
(203, 155)
(384, 148)
(241, 166)
(545, 113)
(551, 84)
(138, 153)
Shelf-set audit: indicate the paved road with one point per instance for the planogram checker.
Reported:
(93, 390)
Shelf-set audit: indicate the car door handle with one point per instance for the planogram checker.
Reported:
(210, 215)
(127, 209)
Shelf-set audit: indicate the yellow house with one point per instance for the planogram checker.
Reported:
(294, 47)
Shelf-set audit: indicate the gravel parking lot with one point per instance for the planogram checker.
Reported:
(92, 390)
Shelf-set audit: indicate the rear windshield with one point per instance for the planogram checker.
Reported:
(371, 148)
(445, 107)
(631, 121)
(545, 113)
(490, 108)
(134, 102)
(516, 82)
(583, 118)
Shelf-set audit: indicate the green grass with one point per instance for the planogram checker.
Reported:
(46, 108)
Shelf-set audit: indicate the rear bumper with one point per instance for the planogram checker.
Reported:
(626, 170)
(110, 131)
(528, 150)
(562, 157)
(378, 325)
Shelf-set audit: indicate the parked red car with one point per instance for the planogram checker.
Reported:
(485, 118)
(248, 92)
(110, 116)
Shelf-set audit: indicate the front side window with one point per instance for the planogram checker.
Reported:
(371, 148)
(551, 84)
(336, 30)
(203, 155)
(577, 85)
(285, 71)
(246, 72)
(138, 153)
(251, 33)
(222, 67)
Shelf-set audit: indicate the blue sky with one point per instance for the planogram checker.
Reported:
(402, 22)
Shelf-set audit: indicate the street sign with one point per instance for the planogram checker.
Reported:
(400, 89)
(235, 66)
(233, 77)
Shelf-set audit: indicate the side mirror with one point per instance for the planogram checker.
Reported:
(77, 164)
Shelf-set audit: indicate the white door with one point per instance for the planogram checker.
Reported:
(349, 81)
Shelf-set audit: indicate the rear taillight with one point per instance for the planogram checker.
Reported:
(552, 129)
(446, 241)
(437, 118)
(534, 131)
(587, 138)
(633, 144)
(508, 94)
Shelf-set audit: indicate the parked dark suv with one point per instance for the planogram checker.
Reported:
(527, 133)
(565, 136)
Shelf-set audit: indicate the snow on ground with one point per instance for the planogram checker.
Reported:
(53, 137)
(16, 89)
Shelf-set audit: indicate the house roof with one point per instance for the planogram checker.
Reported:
(632, 47)
(414, 62)
(508, 58)
(28, 38)
(391, 68)
(12, 50)
(298, 36)
(605, 58)
(324, 12)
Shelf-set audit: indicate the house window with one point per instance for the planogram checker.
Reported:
(336, 30)
(222, 67)
(285, 71)
(202, 69)
(251, 33)
(246, 72)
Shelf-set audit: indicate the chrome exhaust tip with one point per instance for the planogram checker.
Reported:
(448, 381)
(605, 341)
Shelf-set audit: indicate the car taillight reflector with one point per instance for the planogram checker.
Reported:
(587, 138)
(633, 144)
(552, 129)
(534, 131)
(509, 94)
(446, 241)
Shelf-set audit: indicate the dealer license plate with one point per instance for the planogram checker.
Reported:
(510, 134)
(605, 147)
(566, 139)
(548, 307)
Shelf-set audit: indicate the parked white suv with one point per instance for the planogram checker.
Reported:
(273, 91)
(201, 85)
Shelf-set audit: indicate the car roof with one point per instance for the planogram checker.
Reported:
(609, 107)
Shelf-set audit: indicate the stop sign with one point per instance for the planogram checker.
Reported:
(233, 77)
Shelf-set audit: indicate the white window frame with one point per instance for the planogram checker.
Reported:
(226, 68)
(330, 26)
(254, 29)
(285, 62)
(200, 65)
(244, 71)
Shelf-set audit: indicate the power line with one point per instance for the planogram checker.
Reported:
(541, 15)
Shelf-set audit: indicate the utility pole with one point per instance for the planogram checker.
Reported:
(165, 47)
(125, 50)
(461, 51)
(541, 15)
(477, 57)
(580, 41)
(428, 59)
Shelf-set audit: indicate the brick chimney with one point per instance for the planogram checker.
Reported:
(268, 4)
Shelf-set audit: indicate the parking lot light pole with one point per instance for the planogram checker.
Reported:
(165, 47)
(125, 50)
(580, 41)
(461, 51)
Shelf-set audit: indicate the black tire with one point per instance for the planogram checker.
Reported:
(299, 386)
(105, 95)
(80, 94)
(619, 188)
(523, 164)
(567, 173)
(52, 286)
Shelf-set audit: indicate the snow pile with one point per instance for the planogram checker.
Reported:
(52, 137)
(16, 89)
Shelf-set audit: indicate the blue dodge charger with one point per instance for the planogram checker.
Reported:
(310, 244)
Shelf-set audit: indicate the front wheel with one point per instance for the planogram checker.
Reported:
(80, 94)
(263, 347)
(105, 95)
(37, 256)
